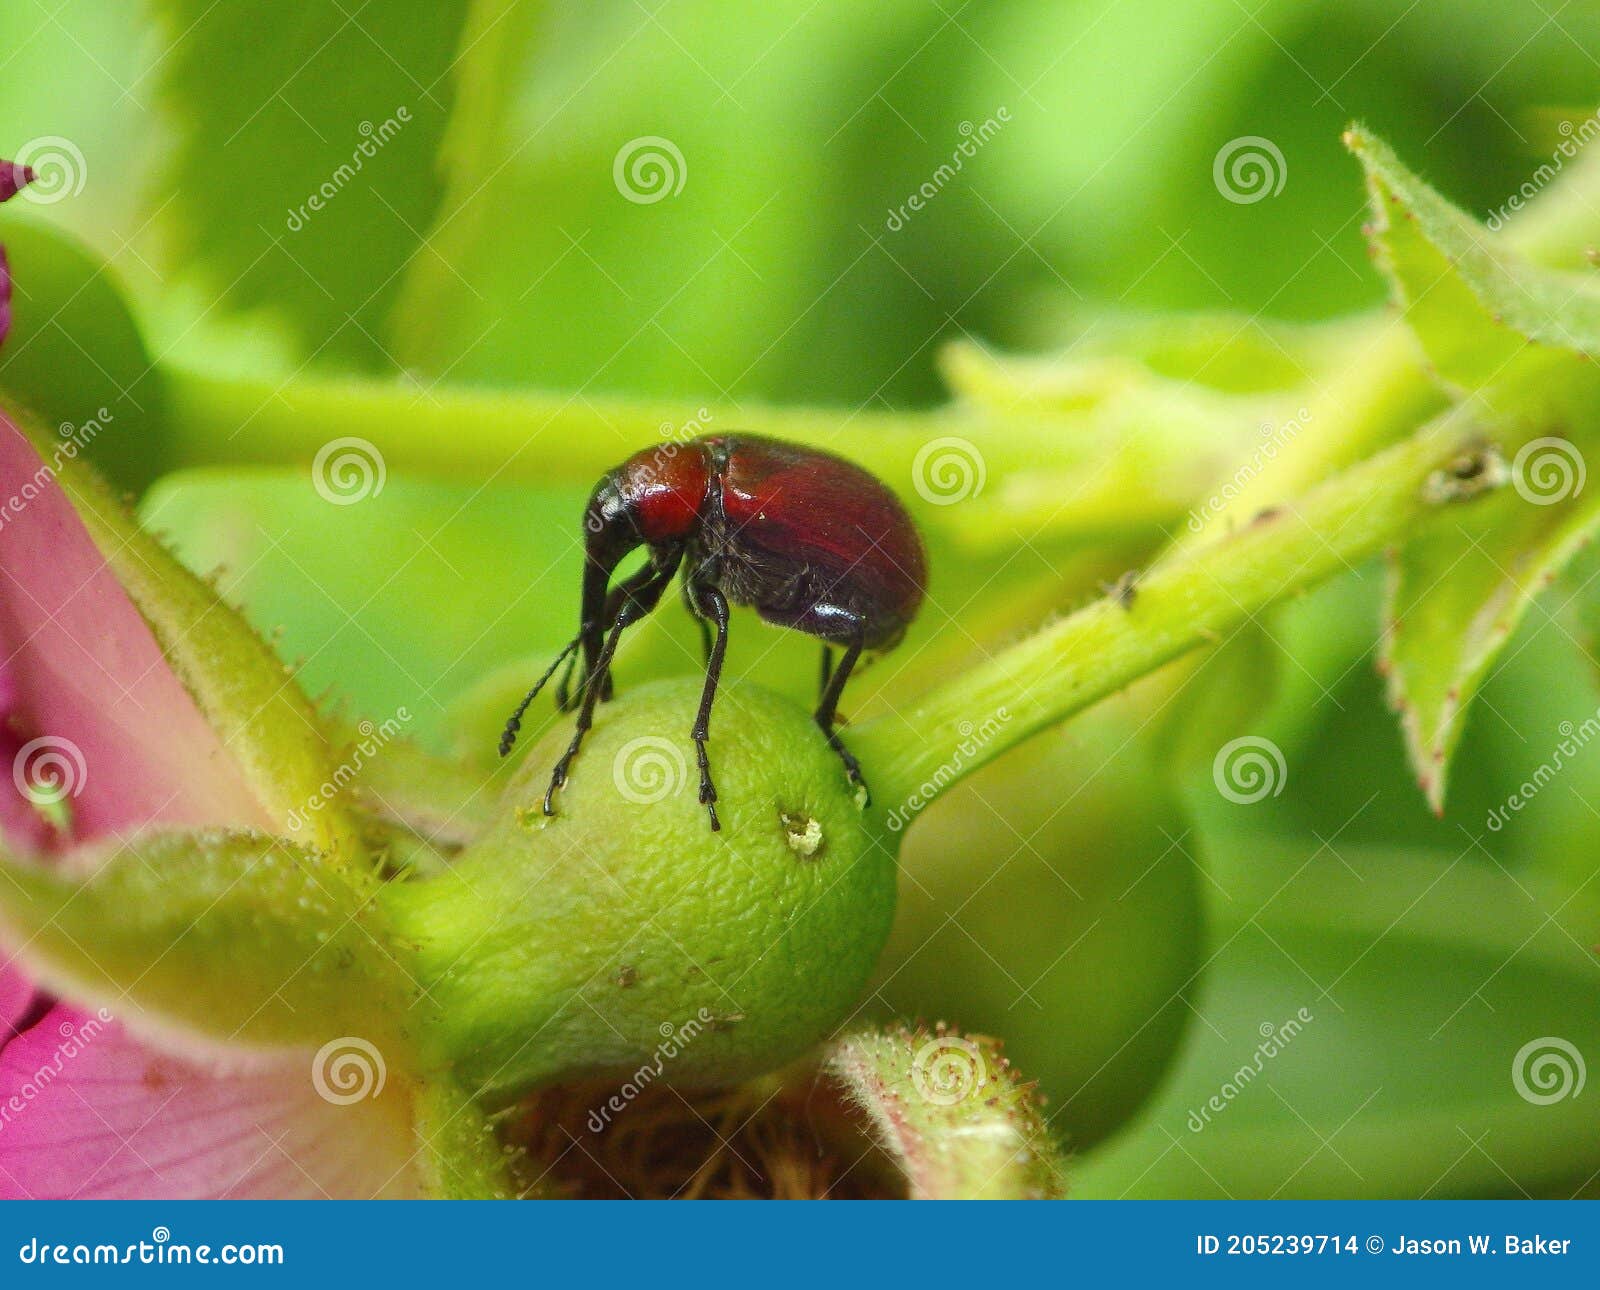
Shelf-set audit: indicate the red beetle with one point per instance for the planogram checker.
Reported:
(807, 539)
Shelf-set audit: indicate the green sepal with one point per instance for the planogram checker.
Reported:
(259, 713)
(235, 938)
(1489, 319)
(460, 1157)
(1455, 594)
(954, 1114)
(1516, 343)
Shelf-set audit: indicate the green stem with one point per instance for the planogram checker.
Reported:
(546, 437)
(1192, 599)
(1376, 393)
(480, 434)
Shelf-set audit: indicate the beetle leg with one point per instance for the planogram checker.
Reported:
(827, 708)
(709, 604)
(634, 598)
(591, 696)
(564, 685)
(827, 670)
(699, 618)
(639, 586)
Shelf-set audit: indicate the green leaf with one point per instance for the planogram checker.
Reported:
(731, 282)
(1345, 767)
(1211, 414)
(230, 936)
(495, 41)
(953, 1113)
(1517, 343)
(1456, 592)
(75, 355)
(1491, 321)
(304, 175)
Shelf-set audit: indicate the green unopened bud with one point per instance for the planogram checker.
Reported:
(623, 935)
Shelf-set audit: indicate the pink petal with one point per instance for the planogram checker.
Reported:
(23, 828)
(17, 997)
(91, 713)
(89, 705)
(87, 1112)
(13, 179)
(92, 707)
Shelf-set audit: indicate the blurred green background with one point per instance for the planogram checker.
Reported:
(1092, 898)
(802, 125)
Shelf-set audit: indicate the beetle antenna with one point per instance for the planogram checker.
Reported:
(565, 700)
(508, 736)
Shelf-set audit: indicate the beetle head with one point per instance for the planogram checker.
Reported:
(610, 531)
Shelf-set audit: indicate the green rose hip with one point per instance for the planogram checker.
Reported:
(622, 932)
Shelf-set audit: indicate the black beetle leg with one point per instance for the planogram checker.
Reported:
(633, 598)
(709, 603)
(700, 620)
(639, 586)
(591, 695)
(828, 706)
